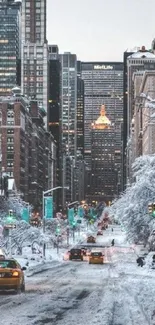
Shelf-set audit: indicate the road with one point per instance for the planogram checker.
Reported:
(117, 293)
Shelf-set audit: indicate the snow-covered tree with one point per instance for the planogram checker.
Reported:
(25, 235)
(131, 209)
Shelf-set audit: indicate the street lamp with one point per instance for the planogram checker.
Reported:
(73, 203)
(43, 195)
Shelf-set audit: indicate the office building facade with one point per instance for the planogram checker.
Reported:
(9, 45)
(68, 123)
(136, 63)
(34, 52)
(54, 101)
(103, 84)
(104, 177)
(68, 93)
(28, 150)
(125, 104)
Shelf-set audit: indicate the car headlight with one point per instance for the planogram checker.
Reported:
(15, 273)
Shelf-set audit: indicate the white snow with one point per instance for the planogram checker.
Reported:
(138, 55)
(116, 293)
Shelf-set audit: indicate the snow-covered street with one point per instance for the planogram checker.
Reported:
(116, 293)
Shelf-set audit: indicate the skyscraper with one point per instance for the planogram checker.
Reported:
(54, 110)
(103, 84)
(68, 121)
(68, 103)
(54, 93)
(125, 103)
(80, 111)
(9, 45)
(34, 54)
(104, 173)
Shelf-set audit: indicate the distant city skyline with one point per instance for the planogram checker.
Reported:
(100, 30)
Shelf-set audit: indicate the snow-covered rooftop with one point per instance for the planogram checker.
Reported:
(140, 55)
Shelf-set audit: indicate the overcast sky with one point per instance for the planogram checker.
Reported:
(100, 30)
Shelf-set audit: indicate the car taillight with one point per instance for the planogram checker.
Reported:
(15, 273)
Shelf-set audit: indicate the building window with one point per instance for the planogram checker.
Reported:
(27, 35)
(10, 148)
(10, 174)
(10, 156)
(38, 4)
(38, 30)
(10, 114)
(9, 164)
(10, 131)
(38, 17)
(27, 4)
(38, 35)
(10, 140)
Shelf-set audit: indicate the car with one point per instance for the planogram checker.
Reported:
(2, 255)
(35, 222)
(91, 239)
(76, 254)
(96, 257)
(100, 232)
(84, 250)
(11, 275)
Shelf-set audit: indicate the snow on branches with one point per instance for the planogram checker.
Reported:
(131, 209)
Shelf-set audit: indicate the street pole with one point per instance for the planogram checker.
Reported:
(73, 235)
(67, 235)
(43, 212)
(57, 244)
(79, 230)
(43, 208)
(44, 250)
(10, 242)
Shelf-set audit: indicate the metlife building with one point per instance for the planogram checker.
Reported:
(103, 85)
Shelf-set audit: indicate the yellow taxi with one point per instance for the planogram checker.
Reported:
(11, 275)
(96, 257)
(91, 239)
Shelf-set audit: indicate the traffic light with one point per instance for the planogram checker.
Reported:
(150, 208)
(58, 230)
(10, 213)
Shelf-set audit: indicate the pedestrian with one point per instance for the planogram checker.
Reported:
(112, 242)
(140, 261)
(112, 229)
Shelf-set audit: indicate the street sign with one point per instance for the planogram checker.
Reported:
(25, 215)
(48, 207)
(71, 215)
(58, 230)
(10, 226)
(10, 222)
(80, 212)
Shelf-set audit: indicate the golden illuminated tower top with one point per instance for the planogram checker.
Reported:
(102, 122)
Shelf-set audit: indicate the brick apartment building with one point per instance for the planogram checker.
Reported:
(28, 150)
